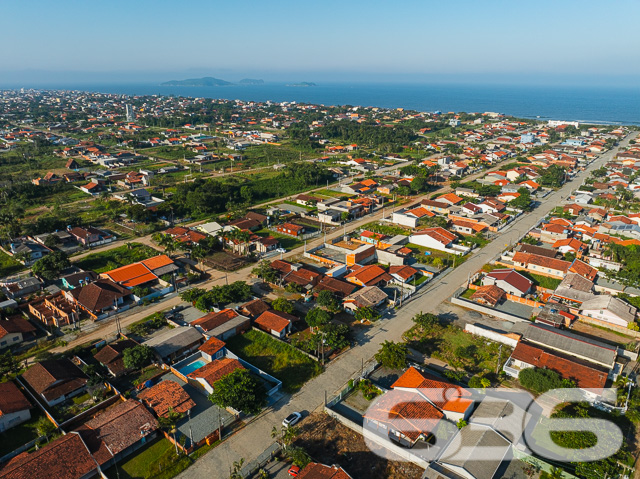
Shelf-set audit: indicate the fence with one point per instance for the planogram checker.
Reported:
(367, 369)
(484, 309)
(262, 459)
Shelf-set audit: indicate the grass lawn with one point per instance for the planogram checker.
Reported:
(468, 293)
(281, 360)
(8, 265)
(20, 434)
(542, 281)
(420, 280)
(121, 256)
(458, 348)
(144, 463)
(287, 242)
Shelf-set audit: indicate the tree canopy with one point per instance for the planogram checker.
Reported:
(50, 266)
(137, 357)
(241, 391)
(392, 355)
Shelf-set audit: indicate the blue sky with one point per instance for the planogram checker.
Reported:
(455, 40)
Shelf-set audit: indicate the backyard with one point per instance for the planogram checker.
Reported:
(279, 359)
(20, 434)
(114, 258)
(542, 281)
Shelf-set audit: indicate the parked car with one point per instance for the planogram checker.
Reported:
(292, 419)
(294, 471)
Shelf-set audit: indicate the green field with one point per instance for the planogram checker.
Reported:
(281, 360)
(114, 258)
(8, 265)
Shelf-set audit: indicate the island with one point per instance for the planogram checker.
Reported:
(205, 81)
(303, 84)
(251, 81)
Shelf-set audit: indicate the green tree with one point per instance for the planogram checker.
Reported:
(265, 272)
(392, 355)
(317, 317)
(137, 357)
(298, 456)
(241, 391)
(366, 314)
(281, 304)
(50, 266)
(44, 427)
(426, 321)
(8, 364)
(328, 300)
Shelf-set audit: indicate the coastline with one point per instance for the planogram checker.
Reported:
(597, 105)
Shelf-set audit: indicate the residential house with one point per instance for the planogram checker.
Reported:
(65, 457)
(417, 402)
(290, 229)
(28, 251)
(438, 207)
(367, 297)
(438, 239)
(489, 295)
(15, 408)
(79, 279)
(112, 358)
(610, 310)
(338, 287)
(314, 470)
(508, 280)
(14, 330)
(21, 287)
(371, 275)
(91, 236)
(277, 323)
(118, 431)
(555, 268)
(166, 397)
(222, 325)
(254, 308)
(99, 297)
(403, 273)
(210, 373)
(55, 380)
(174, 343)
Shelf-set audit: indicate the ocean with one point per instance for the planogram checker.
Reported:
(584, 104)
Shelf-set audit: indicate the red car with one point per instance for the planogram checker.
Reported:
(294, 471)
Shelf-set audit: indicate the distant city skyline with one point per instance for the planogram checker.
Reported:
(545, 42)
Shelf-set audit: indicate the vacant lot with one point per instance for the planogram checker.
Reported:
(458, 348)
(8, 265)
(281, 360)
(224, 261)
(329, 442)
(114, 258)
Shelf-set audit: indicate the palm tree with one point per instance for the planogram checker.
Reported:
(285, 436)
(237, 467)
(169, 422)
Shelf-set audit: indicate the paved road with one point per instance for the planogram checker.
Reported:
(251, 441)
(108, 328)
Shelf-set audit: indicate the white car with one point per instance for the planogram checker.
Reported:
(292, 419)
(281, 250)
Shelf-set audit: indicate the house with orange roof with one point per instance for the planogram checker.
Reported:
(207, 375)
(370, 275)
(277, 323)
(414, 407)
(449, 198)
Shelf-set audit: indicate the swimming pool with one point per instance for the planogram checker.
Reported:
(191, 367)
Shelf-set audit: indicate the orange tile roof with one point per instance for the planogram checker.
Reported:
(211, 346)
(406, 412)
(273, 321)
(216, 370)
(166, 396)
(370, 274)
(157, 261)
(446, 396)
(130, 275)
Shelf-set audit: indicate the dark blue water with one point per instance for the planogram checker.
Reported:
(586, 104)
